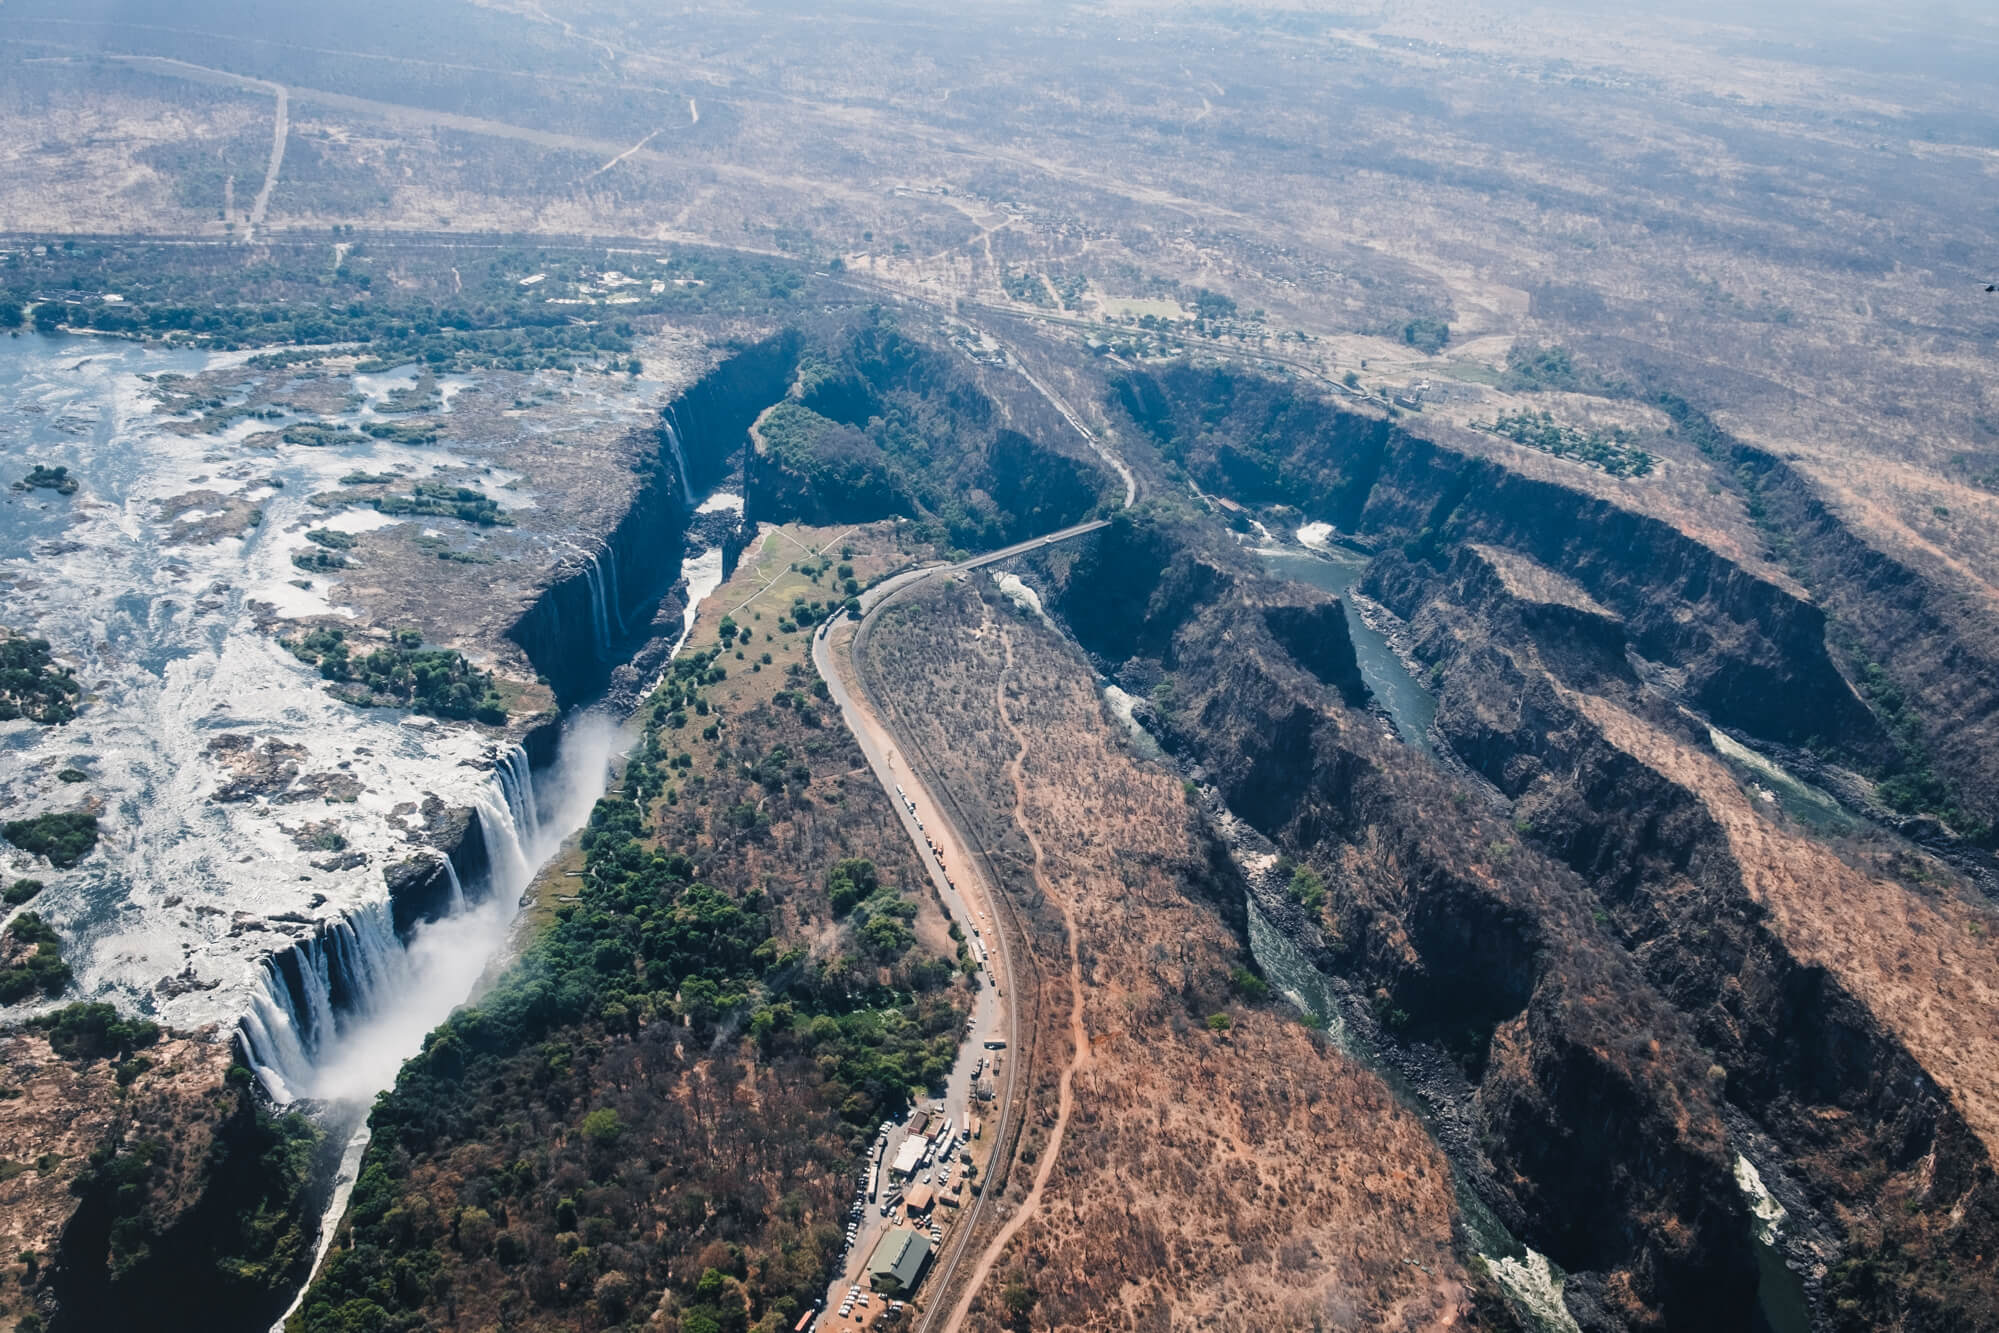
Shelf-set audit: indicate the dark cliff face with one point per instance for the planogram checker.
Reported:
(1753, 654)
(1859, 1124)
(1617, 1009)
(885, 424)
(419, 887)
(173, 1237)
(565, 634)
(1934, 651)
(1315, 635)
(1592, 1124)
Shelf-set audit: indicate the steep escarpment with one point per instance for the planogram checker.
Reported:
(653, 1115)
(1926, 654)
(840, 423)
(1635, 940)
(612, 593)
(141, 1189)
(422, 887)
(1753, 654)
(1584, 1101)
(1845, 1057)
(882, 423)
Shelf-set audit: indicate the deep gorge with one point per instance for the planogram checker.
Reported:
(1565, 951)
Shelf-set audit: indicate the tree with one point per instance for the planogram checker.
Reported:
(1426, 335)
(1019, 1302)
(851, 881)
(603, 1128)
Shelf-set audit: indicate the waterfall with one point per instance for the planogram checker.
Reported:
(599, 619)
(506, 854)
(516, 779)
(317, 990)
(338, 1012)
(611, 584)
(679, 458)
(457, 889)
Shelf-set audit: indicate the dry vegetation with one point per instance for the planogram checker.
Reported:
(1788, 233)
(1920, 961)
(1221, 1164)
(54, 1112)
(676, 1147)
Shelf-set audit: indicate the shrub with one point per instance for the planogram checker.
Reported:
(849, 882)
(61, 838)
(94, 1031)
(41, 969)
(602, 1128)
(1426, 335)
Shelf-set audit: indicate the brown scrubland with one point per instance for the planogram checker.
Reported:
(1220, 1165)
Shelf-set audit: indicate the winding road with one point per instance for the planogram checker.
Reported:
(976, 896)
(867, 720)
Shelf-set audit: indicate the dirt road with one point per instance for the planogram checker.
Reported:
(1079, 1037)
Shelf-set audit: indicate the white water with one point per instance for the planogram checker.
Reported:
(187, 893)
(600, 619)
(363, 1001)
(704, 573)
(344, 1177)
(1015, 590)
(1121, 706)
(610, 568)
(1317, 536)
(1532, 1280)
(721, 502)
(1769, 1215)
(679, 460)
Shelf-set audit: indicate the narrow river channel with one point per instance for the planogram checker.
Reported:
(1529, 1278)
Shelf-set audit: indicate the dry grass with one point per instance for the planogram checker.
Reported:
(57, 1111)
(1246, 1178)
(1926, 965)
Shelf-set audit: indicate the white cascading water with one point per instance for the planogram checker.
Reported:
(339, 1013)
(610, 567)
(600, 620)
(679, 459)
(516, 778)
(457, 888)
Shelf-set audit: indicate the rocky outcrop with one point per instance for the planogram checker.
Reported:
(1314, 633)
(420, 886)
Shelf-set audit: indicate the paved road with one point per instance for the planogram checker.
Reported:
(967, 893)
(281, 124)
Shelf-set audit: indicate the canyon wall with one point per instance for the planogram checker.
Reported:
(1614, 970)
(573, 630)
